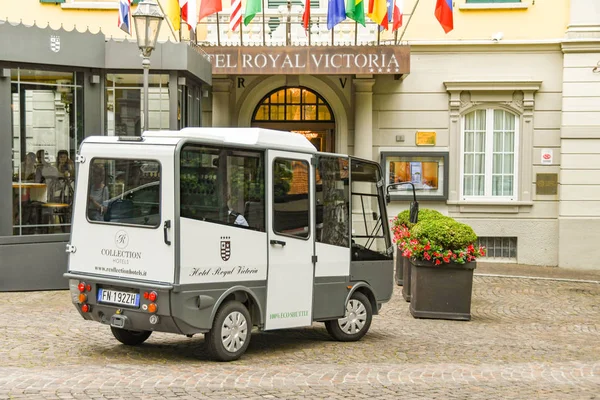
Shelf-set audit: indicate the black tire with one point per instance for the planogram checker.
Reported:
(355, 323)
(226, 345)
(130, 338)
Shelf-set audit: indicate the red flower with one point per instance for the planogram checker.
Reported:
(446, 259)
(437, 262)
(426, 256)
(427, 246)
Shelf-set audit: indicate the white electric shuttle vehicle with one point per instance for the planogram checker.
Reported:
(223, 231)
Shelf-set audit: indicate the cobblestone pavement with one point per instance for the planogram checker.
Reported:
(528, 338)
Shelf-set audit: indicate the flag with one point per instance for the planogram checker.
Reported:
(236, 15)
(378, 12)
(443, 13)
(253, 7)
(336, 13)
(209, 7)
(188, 13)
(124, 21)
(398, 11)
(306, 15)
(355, 9)
(172, 11)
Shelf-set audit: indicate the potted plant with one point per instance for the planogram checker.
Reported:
(401, 231)
(442, 256)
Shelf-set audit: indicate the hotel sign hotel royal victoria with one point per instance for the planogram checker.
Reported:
(320, 60)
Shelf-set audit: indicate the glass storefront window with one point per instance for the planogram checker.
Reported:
(47, 120)
(124, 103)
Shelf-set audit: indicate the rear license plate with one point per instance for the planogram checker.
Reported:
(116, 297)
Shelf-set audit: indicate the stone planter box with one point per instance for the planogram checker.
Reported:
(399, 274)
(442, 291)
(406, 287)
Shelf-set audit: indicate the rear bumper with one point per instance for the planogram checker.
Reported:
(122, 316)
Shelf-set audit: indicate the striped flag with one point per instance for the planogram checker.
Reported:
(188, 13)
(124, 22)
(236, 15)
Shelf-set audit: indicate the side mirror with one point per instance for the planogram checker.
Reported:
(414, 205)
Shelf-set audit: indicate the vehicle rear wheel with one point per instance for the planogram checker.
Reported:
(355, 324)
(130, 338)
(230, 334)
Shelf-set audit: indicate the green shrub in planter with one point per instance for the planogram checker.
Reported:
(445, 232)
(425, 214)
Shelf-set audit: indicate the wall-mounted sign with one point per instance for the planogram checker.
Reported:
(546, 156)
(425, 138)
(546, 184)
(345, 60)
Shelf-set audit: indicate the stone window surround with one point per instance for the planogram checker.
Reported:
(514, 95)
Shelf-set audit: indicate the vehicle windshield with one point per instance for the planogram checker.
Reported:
(124, 192)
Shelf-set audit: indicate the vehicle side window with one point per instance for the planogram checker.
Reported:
(223, 185)
(291, 202)
(333, 198)
(369, 239)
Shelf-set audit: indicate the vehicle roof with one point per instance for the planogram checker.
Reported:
(258, 137)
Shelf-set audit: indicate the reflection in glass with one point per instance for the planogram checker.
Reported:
(47, 121)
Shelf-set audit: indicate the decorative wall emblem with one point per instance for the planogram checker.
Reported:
(225, 248)
(55, 43)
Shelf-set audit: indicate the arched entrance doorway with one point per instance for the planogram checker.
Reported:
(300, 110)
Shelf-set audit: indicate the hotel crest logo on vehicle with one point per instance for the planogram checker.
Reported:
(55, 43)
(225, 247)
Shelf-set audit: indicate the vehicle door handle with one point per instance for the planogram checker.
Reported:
(279, 242)
(166, 227)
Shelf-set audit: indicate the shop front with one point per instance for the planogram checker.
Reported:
(57, 88)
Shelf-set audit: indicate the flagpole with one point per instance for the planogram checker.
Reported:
(180, 24)
(262, 5)
(408, 22)
(168, 21)
(218, 31)
(356, 33)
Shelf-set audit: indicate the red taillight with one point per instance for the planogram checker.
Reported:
(146, 295)
(85, 308)
(152, 296)
(81, 287)
(88, 287)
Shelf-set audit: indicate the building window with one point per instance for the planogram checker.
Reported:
(489, 155)
(299, 110)
(499, 248)
(47, 120)
(124, 104)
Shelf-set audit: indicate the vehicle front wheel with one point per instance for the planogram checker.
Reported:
(230, 334)
(130, 338)
(355, 324)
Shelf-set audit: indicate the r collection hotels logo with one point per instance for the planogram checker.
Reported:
(121, 239)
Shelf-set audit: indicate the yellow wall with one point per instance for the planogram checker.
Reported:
(94, 20)
(546, 19)
(543, 19)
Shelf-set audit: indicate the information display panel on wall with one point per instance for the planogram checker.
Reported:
(428, 172)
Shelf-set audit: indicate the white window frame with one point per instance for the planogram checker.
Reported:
(489, 159)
